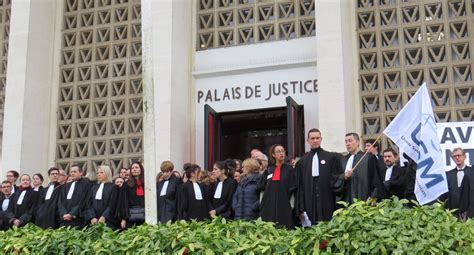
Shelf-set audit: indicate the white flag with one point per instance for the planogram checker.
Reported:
(414, 131)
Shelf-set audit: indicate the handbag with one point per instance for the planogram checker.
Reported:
(137, 214)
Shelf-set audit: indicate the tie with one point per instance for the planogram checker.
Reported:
(164, 189)
(218, 193)
(98, 195)
(350, 162)
(49, 192)
(197, 191)
(315, 167)
(20, 199)
(71, 191)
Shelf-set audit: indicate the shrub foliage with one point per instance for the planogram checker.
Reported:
(389, 227)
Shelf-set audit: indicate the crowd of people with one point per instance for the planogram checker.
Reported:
(288, 192)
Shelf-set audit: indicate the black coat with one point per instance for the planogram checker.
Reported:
(76, 206)
(396, 185)
(128, 198)
(223, 205)
(360, 185)
(167, 204)
(276, 206)
(47, 215)
(24, 211)
(467, 192)
(317, 195)
(4, 224)
(189, 207)
(105, 207)
(246, 200)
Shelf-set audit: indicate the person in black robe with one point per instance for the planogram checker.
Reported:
(279, 185)
(359, 181)
(46, 215)
(394, 183)
(373, 147)
(21, 207)
(459, 180)
(193, 202)
(167, 193)
(73, 199)
(131, 202)
(38, 182)
(222, 191)
(7, 197)
(318, 184)
(103, 199)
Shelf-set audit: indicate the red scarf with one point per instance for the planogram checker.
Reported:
(276, 174)
(140, 192)
(27, 188)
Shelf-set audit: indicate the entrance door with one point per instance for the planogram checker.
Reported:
(295, 125)
(212, 137)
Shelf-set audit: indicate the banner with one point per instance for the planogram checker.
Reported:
(414, 131)
(456, 135)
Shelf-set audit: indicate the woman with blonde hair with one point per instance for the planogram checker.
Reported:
(245, 203)
(103, 199)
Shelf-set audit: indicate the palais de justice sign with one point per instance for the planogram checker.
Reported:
(264, 92)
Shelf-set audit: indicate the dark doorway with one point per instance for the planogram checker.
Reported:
(234, 134)
(245, 130)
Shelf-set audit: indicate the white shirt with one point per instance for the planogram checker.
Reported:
(22, 196)
(5, 203)
(71, 190)
(98, 195)
(460, 175)
(49, 192)
(164, 189)
(350, 162)
(218, 192)
(197, 191)
(315, 165)
(388, 173)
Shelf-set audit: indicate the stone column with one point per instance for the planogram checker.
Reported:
(29, 108)
(339, 104)
(166, 35)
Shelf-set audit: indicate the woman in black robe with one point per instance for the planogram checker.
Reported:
(21, 208)
(279, 185)
(223, 189)
(103, 199)
(193, 203)
(131, 204)
(166, 193)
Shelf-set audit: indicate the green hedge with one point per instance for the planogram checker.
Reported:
(389, 227)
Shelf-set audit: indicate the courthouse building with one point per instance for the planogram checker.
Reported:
(114, 81)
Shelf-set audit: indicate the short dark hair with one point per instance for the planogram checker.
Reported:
(5, 182)
(52, 169)
(79, 167)
(314, 130)
(390, 149)
(15, 173)
(190, 168)
(40, 176)
(375, 144)
(355, 135)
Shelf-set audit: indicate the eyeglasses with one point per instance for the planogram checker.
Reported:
(457, 155)
(10, 175)
(282, 151)
(6, 187)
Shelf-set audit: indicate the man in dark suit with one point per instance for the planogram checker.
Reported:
(460, 186)
(393, 181)
(359, 170)
(4, 203)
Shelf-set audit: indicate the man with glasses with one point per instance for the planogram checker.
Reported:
(46, 211)
(4, 202)
(460, 183)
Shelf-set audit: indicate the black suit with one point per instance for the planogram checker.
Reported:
(467, 192)
(456, 195)
(3, 213)
(396, 185)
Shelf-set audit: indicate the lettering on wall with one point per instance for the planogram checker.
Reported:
(267, 92)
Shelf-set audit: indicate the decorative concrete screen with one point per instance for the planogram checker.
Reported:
(100, 119)
(225, 23)
(403, 43)
(5, 10)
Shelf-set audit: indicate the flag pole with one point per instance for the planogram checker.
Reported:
(367, 151)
